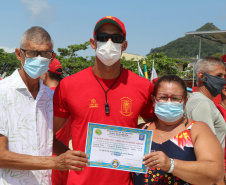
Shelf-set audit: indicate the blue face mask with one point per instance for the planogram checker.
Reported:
(169, 111)
(36, 67)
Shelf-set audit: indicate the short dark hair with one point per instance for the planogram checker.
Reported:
(171, 79)
(55, 76)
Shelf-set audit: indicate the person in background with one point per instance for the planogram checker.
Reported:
(53, 76)
(26, 117)
(210, 72)
(51, 79)
(106, 93)
(184, 151)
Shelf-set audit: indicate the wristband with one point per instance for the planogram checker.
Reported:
(172, 165)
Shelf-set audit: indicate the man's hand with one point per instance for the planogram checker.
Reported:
(71, 160)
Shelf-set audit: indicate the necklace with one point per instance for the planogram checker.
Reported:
(222, 105)
(162, 134)
(107, 109)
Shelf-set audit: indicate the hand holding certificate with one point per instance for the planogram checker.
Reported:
(118, 148)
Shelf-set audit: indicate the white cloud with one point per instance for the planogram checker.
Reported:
(39, 10)
(8, 50)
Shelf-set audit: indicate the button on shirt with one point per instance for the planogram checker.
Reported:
(28, 125)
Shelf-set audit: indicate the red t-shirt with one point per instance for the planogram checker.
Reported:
(81, 97)
(64, 135)
(223, 113)
(53, 88)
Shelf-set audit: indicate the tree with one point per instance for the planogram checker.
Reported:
(130, 64)
(219, 55)
(71, 62)
(8, 62)
(163, 64)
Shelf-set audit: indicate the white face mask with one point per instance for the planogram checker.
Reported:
(108, 52)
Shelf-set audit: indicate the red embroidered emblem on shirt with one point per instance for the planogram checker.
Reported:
(93, 104)
(126, 106)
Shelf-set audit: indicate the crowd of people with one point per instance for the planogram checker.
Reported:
(40, 112)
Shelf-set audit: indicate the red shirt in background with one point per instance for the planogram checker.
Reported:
(223, 112)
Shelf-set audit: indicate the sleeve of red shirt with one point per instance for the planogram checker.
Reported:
(148, 110)
(60, 107)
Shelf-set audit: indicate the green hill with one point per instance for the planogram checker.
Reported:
(188, 46)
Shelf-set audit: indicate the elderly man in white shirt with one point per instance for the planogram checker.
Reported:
(26, 118)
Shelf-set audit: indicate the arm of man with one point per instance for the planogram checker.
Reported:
(68, 160)
(58, 146)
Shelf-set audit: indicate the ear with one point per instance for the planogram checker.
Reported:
(54, 56)
(18, 54)
(200, 74)
(93, 43)
(124, 45)
(224, 90)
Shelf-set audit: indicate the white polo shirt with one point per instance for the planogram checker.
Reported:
(28, 125)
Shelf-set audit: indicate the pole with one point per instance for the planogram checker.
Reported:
(145, 70)
(200, 43)
(193, 78)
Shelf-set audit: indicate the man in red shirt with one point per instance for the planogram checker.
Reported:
(106, 93)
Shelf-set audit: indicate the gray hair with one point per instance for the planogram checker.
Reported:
(207, 65)
(36, 34)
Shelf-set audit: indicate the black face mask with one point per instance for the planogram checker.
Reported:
(214, 84)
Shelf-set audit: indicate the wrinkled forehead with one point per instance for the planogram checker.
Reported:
(43, 46)
(216, 69)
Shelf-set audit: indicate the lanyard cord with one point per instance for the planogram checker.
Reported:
(107, 110)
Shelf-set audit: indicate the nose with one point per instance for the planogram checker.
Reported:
(169, 98)
(39, 54)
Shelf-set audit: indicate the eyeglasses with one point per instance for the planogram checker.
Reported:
(173, 98)
(32, 53)
(104, 37)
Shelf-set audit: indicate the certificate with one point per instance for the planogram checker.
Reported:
(119, 148)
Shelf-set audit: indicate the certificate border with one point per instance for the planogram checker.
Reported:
(147, 147)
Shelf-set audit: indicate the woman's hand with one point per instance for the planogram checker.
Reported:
(157, 159)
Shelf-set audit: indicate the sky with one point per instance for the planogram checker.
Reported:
(149, 23)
